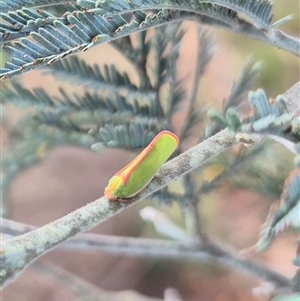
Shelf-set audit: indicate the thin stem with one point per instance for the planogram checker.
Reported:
(204, 55)
(85, 290)
(20, 251)
(141, 60)
(193, 222)
(162, 249)
(274, 37)
(292, 96)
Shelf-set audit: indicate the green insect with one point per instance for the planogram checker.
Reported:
(132, 178)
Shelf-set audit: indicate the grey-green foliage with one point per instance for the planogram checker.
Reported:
(286, 297)
(286, 214)
(35, 38)
(266, 118)
(6, 6)
(115, 111)
(29, 144)
(239, 87)
(194, 114)
(112, 111)
(77, 71)
(269, 118)
(251, 69)
(259, 11)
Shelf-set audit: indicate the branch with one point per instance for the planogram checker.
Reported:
(292, 96)
(20, 251)
(50, 43)
(85, 290)
(259, 12)
(274, 37)
(161, 249)
(193, 222)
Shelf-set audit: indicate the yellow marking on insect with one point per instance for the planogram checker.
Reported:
(132, 178)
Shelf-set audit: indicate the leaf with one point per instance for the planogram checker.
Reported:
(124, 107)
(77, 71)
(268, 118)
(163, 225)
(32, 146)
(286, 297)
(6, 5)
(127, 136)
(204, 56)
(259, 11)
(76, 31)
(297, 259)
(285, 215)
(242, 84)
(21, 23)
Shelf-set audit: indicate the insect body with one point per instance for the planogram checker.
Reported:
(132, 178)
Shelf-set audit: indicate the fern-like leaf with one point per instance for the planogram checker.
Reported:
(79, 72)
(258, 11)
(102, 108)
(177, 91)
(266, 118)
(84, 30)
(127, 136)
(204, 56)
(22, 23)
(242, 84)
(6, 6)
(165, 44)
(21, 96)
(287, 214)
(30, 149)
(239, 168)
(286, 297)
(297, 258)
(270, 117)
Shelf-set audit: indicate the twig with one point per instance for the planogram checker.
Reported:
(193, 222)
(274, 37)
(160, 249)
(19, 252)
(293, 96)
(85, 290)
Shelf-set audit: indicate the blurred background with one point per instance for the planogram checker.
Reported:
(70, 177)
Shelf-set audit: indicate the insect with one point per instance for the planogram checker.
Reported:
(132, 178)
